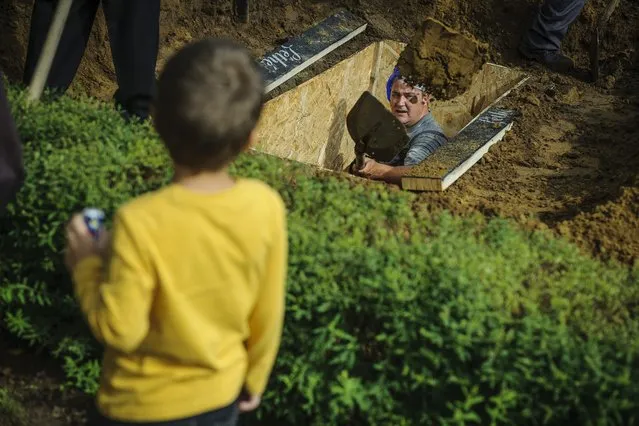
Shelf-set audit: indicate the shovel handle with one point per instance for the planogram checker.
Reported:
(43, 66)
(242, 10)
(596, 38)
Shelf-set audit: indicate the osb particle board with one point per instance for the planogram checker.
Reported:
(451, 161)
(389, 54)
(298, 53)
(308, 123)
(487, 85)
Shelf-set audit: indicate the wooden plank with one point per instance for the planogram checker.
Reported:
(384, 69)
(376, 65)
(451, 161)
(300, 52)
(501, 97)
(489, 86)
(308, 123)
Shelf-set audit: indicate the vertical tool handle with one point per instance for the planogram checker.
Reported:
(598, 32)
(242, 10)
(48, 52)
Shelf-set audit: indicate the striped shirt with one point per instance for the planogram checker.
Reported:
(425, 137)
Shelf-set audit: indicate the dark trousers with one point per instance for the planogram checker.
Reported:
(133, 27)
(11, 166)
(227, 416)
(551, 24)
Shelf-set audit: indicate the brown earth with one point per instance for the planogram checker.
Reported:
(570, 163)
(442, 59)
(30, 391)
(566, 160)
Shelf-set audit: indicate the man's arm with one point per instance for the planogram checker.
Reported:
(421, 147)
(117, 308)
(424, 145)
(267, 319)
(384, 172)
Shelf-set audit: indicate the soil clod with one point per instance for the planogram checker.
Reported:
(442, 59)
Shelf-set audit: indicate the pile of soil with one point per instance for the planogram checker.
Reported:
(442, 60)
(32, 384)
(569, 155)
(570, 164)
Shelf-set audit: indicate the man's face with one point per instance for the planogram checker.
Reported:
(408, 104)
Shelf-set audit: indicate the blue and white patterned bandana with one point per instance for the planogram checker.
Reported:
(394, 76)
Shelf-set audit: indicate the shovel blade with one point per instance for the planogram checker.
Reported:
(371, 123)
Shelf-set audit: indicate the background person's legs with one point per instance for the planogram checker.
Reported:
(543, 39)
(72, 43)
(11, 163)
(134, 32)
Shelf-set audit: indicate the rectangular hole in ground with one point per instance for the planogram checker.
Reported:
(308, 122)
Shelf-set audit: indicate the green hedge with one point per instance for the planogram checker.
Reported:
(393, 317)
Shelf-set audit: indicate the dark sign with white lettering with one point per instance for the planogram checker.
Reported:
(300, 52)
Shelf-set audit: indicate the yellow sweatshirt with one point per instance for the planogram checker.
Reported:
(191, 305)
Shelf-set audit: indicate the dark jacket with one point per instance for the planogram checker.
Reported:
(11, 166)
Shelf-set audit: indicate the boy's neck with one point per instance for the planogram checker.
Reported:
(203, 181)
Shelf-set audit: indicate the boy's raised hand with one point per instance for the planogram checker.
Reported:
(81, 244)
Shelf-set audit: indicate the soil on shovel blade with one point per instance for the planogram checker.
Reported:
(442, 60)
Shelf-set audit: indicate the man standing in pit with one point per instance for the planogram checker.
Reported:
(542, 41)
(133, 27)
(411, 106)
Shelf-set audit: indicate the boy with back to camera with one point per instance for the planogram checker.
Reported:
(191, 306)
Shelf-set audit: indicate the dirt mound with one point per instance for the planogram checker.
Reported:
(567, 164)
(611, 230)
(570, 163)
(442, 59)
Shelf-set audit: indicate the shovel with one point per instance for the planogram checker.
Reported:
(377, 133)
(596, 35)
(36, 86)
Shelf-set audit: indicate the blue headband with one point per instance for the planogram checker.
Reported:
(391, 80)
(394, 76)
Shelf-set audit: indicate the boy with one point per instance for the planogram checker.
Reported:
(192, 304)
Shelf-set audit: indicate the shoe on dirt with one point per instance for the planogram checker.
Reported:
(551, 59)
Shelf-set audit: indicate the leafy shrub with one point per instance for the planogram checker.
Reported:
(393, 317)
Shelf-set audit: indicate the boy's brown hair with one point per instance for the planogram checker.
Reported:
(210, 96)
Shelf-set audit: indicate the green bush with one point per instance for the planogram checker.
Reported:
(393, 317)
